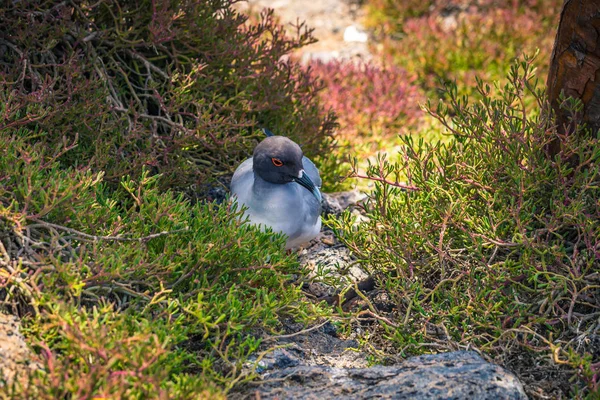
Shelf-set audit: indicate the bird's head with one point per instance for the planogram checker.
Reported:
(278, 160)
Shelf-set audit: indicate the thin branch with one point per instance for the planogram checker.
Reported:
(270, 338)
(377, 317)
(387, 182)
(148, 64)
(96, 238)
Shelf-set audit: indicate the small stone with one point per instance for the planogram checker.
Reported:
(328, 241)
(17, 361)
(319, 289)
(354, 34)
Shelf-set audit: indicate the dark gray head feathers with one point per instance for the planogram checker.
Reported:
(277, 159)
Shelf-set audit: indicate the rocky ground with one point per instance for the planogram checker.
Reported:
(317, 363)
(456, 375)
(336, 25)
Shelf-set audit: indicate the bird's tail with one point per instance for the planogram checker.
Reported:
(267, 132)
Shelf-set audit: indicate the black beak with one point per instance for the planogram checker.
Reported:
(309, 185)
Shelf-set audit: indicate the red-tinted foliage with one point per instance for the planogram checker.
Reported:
(367, 97)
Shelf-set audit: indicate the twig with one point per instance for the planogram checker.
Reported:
(148, 64)
(254, 268)
(4, 253)
(387, 182)
(497, 242)
(97, 238)
(270, 338)
(116, 287)
(376, 316)
(372, 310)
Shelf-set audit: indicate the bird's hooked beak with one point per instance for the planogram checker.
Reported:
(305, 181)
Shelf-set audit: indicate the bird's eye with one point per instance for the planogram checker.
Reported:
(277, 162)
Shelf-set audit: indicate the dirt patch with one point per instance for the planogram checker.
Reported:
(336, 25)
(17, 361)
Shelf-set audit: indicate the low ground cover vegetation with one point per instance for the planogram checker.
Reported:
(118, 117)
(494, 245)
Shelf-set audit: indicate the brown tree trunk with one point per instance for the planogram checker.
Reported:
(575, 66)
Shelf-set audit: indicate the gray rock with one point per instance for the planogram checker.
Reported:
(332, 267)
(335, 203)
(454, 375)
(317, 347)
(17, 361)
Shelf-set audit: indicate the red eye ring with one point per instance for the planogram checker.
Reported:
(277, 162)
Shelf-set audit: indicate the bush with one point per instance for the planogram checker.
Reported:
(110, 112)
(498, 249)
(451, 42)
(373, 104)
(368, 99)
(174, 86)
(133, 292)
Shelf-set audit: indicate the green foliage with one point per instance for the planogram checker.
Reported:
(497, 248)
(334, 168)
(109, 112)
(132, 292)
(373, 104)
(99, 353)
(386, 17)
(175, 86)
(458, 43)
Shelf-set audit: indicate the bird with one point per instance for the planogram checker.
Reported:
(280, 189)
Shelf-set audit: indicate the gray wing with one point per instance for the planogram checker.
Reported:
(312, 171)
(241, 176)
